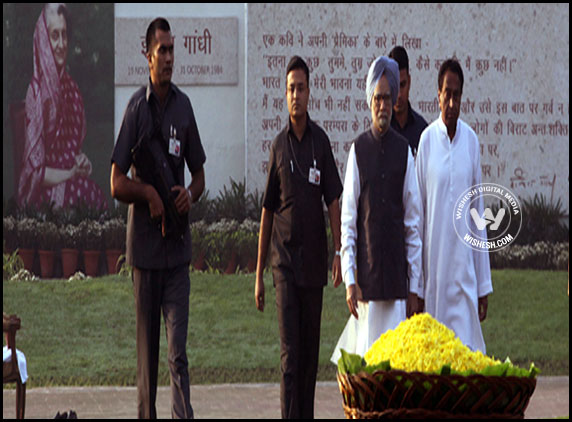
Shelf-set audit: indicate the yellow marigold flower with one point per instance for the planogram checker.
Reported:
(421, 343)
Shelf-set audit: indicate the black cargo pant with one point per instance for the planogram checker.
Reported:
(299, 317)
(166, 290)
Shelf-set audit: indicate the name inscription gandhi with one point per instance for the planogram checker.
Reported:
(206, 51)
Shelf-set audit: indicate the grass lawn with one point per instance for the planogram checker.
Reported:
(83, 332)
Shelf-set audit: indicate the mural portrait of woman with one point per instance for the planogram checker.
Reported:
(56, 165)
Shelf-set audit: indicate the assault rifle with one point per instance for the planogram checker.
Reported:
(154, 166)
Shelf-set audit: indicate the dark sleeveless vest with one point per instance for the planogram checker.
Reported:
(381, 259)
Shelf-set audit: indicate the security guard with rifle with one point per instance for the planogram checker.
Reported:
(158, 135)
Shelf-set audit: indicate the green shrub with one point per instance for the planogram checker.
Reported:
(12, 265)
(235, 204)
(202, 210)
(247, 241)
(48, 236)
(231, 203)
(27, 232)
(538, 256)
(199, 239)
(221, 243)
(542, 221)
(10, 233)
(91, 235)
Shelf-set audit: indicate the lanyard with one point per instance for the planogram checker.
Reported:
(294, 155)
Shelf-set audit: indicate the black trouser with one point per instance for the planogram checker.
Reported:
(167, 290)
(299, 314)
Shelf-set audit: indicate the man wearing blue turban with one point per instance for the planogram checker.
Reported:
(381, 218)
(380, 67)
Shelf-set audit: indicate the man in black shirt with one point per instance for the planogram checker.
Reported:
(302, 171)
(160, 262)
(405, 120)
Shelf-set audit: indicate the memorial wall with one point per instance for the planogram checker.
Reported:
(231, 60)
(515, 60)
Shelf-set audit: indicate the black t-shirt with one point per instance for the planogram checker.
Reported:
(299, 246)
(412, 130)
(146, 247)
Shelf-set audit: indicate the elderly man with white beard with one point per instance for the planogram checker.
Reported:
(381, 244)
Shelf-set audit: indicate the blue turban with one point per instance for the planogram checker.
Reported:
(382, 65)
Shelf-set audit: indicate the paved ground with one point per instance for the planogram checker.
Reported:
(231, 401)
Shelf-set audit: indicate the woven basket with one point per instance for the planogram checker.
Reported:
(414, 395)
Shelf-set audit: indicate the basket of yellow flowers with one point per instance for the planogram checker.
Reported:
(421, 370)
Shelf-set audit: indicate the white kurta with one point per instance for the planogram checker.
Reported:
(22, 366)
(376, 317)
(454, 275)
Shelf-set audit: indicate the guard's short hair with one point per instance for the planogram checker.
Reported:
(399, 54)
(158, 23)
(451, 65)
(297, 62)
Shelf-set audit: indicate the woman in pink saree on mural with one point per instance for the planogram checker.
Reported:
(54, 169)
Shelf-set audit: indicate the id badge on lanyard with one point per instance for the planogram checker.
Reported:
(314, 175)
(174, 143)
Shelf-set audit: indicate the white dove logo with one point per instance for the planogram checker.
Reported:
(489, 218)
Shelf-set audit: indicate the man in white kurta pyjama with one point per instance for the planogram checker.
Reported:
(456, 278)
